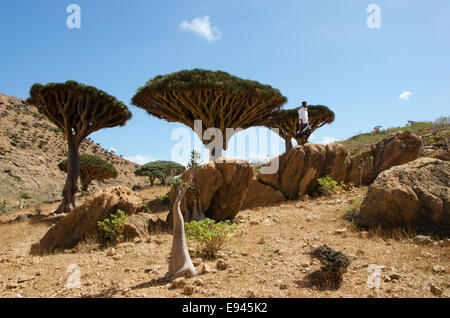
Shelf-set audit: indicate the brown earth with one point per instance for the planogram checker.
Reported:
(30, 149)
(265, 257)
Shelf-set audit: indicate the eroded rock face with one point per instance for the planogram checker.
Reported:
(301, 166)
(416, 194)
(259, 195)
(394, 150)
(81, 222)
(220, 187)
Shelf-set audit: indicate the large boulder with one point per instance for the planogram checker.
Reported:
(259, 194)
(220, 186)
(81, 222)
(415, 194)
(300, 167)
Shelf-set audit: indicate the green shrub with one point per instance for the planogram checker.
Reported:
(165, 198)
(24, 195)
(111, 228)
(328, 185)
(4, 207)
(351, 211)
(211, 235)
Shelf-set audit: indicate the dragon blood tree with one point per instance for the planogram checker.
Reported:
(160, 169)
(218, 99)
(91, 168)
(78, 110)
(288, 124)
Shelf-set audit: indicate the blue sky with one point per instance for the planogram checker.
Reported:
(320, 51)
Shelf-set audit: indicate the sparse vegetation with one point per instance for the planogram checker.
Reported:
(329, 186)
(210, 235)
(360, 142)
(160, 169)
(5, 207)
(111, 229)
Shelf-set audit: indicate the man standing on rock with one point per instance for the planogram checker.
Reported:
(305, 129)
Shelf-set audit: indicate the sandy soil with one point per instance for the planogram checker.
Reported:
(265, 257)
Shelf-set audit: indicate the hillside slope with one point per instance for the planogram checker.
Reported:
(30, 149)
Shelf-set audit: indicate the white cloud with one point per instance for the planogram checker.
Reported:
(139, 159)
(405, 95)
(202, 27)
(328, 140)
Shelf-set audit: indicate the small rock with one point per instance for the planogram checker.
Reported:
(435, 290)
(111, 252)
(340, 231)
(394, 276)
(197, 262)
(221, 265)
(304, 197)
(364, 234)
(422, 240)
(117, 257)
(250, 294)
(438, 269)
(178, 283)
(198, 282)
(262, 241)
(205, 268)
(189, 290)
(444, 243)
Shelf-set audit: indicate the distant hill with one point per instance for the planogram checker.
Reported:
(435, 137)
(30, 149)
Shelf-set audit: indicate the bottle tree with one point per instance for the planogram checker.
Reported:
(160, 169)
(180, 263)
(218, 99)
(92, 168)
(288, 123)
(78, 110)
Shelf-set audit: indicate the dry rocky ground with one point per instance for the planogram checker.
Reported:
(265, 257)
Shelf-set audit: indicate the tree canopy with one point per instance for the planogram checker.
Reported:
(78, 110)
(218, 99)
(92, 168)
(287, 121)
(160, 169)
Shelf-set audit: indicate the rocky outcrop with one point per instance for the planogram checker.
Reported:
(259, 195)
(81, 222)
(222, 189)
(416, 195)
(397, 149)
(300, 167)
(219, 189)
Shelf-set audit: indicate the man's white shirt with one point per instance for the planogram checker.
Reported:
(303, 114)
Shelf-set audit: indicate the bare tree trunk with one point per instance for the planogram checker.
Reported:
(84, 185)
(180, 263)
(73, 172)
(288, 144)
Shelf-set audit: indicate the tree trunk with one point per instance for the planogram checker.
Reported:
(288, 144)
(73, 171)
(180, 263)
(152, 181)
